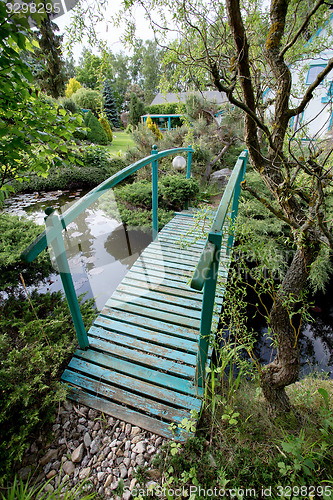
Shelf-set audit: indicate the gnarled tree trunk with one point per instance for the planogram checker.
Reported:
(284, 370)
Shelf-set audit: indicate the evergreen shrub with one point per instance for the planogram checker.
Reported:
(106, 126)
(96, 132)
(33, 354)
(109, 105)
(16, 235)
(69, 105)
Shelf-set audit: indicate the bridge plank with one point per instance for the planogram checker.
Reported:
(153, 313)
(153, 374)
(123, 413)
(149, 359)
(126, 334)
(153, 324)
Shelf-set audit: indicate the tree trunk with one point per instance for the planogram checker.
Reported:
(284, 370)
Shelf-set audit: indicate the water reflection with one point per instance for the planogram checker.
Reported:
(100, 250)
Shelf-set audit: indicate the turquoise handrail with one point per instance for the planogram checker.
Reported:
(206, 271)
(56, 224)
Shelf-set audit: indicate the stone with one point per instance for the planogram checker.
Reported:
(65, 478)
(140, 447)
(68, 405)
(77, 454)
(49, 456)
(128, 429)
(108, 481)
(84, 472)
(127, 461)
(95, 446)
(221, 177)
(126, 495)
(151, 449)
(135, 431)
(68, 468)
(136, 439)
(100, 476)
(140, 460)
(51, 474)
(81, 428)
(85, 461)
(24, 473)
(123, 471)
(132, 483)
(159, 441)
(87, 440)
(48, 488)
(92, 414)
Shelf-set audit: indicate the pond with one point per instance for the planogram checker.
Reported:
(100, 249)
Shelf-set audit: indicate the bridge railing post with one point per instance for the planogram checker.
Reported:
(207, 310)
(188, 170)
(154, 174)
(57, 243)
(235, 202)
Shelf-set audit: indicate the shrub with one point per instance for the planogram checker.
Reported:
(88, 99)
(16, 235)
(105, 124)
(70, 105)
(154, 128)
(72, 87)
(176, 190)
(96, 132)
(33, 354)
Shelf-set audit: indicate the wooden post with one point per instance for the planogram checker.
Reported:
(154, 175)
(208, 308)
(235, 202)
(53, 220)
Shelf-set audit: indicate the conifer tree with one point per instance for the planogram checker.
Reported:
(52, 77)
(110, 107)
(136, 110)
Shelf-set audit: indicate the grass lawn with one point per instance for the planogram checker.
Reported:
(121, 142)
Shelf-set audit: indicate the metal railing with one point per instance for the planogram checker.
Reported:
(55, 224)
(206, 271)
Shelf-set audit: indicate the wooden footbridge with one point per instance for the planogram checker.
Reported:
(143, 359)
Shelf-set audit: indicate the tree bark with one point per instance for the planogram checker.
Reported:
(284, 370)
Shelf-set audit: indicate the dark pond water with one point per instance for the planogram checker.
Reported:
(99, 249)
(315, 339)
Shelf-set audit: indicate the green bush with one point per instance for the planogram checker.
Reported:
(135, 200)
(95, 167)
(16, 235)
(96, 132)
(70, 105)
(176, 190)
(33, 354)
(106, 126)
(88, 99)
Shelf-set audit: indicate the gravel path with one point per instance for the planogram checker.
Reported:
(86, 444)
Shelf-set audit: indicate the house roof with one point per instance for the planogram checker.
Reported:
(180, 97)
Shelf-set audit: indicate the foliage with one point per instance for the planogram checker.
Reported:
(52, 78)
(136, 110)
(135, 200)
(88, 99)
(107, 128)
(154, 128)
(34, 131)
(16, 235)
(27, 491)
(109, 105)
(93, 69)
(96, 132)
(170, 108)
(253, 457)
(95, 167)
(72, 86)
(70, 105)
(33, 353)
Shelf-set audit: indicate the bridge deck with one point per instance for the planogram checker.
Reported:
(141, 361)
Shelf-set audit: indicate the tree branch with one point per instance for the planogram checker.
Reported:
(280, 215)
(309, 93)
(302, 28)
